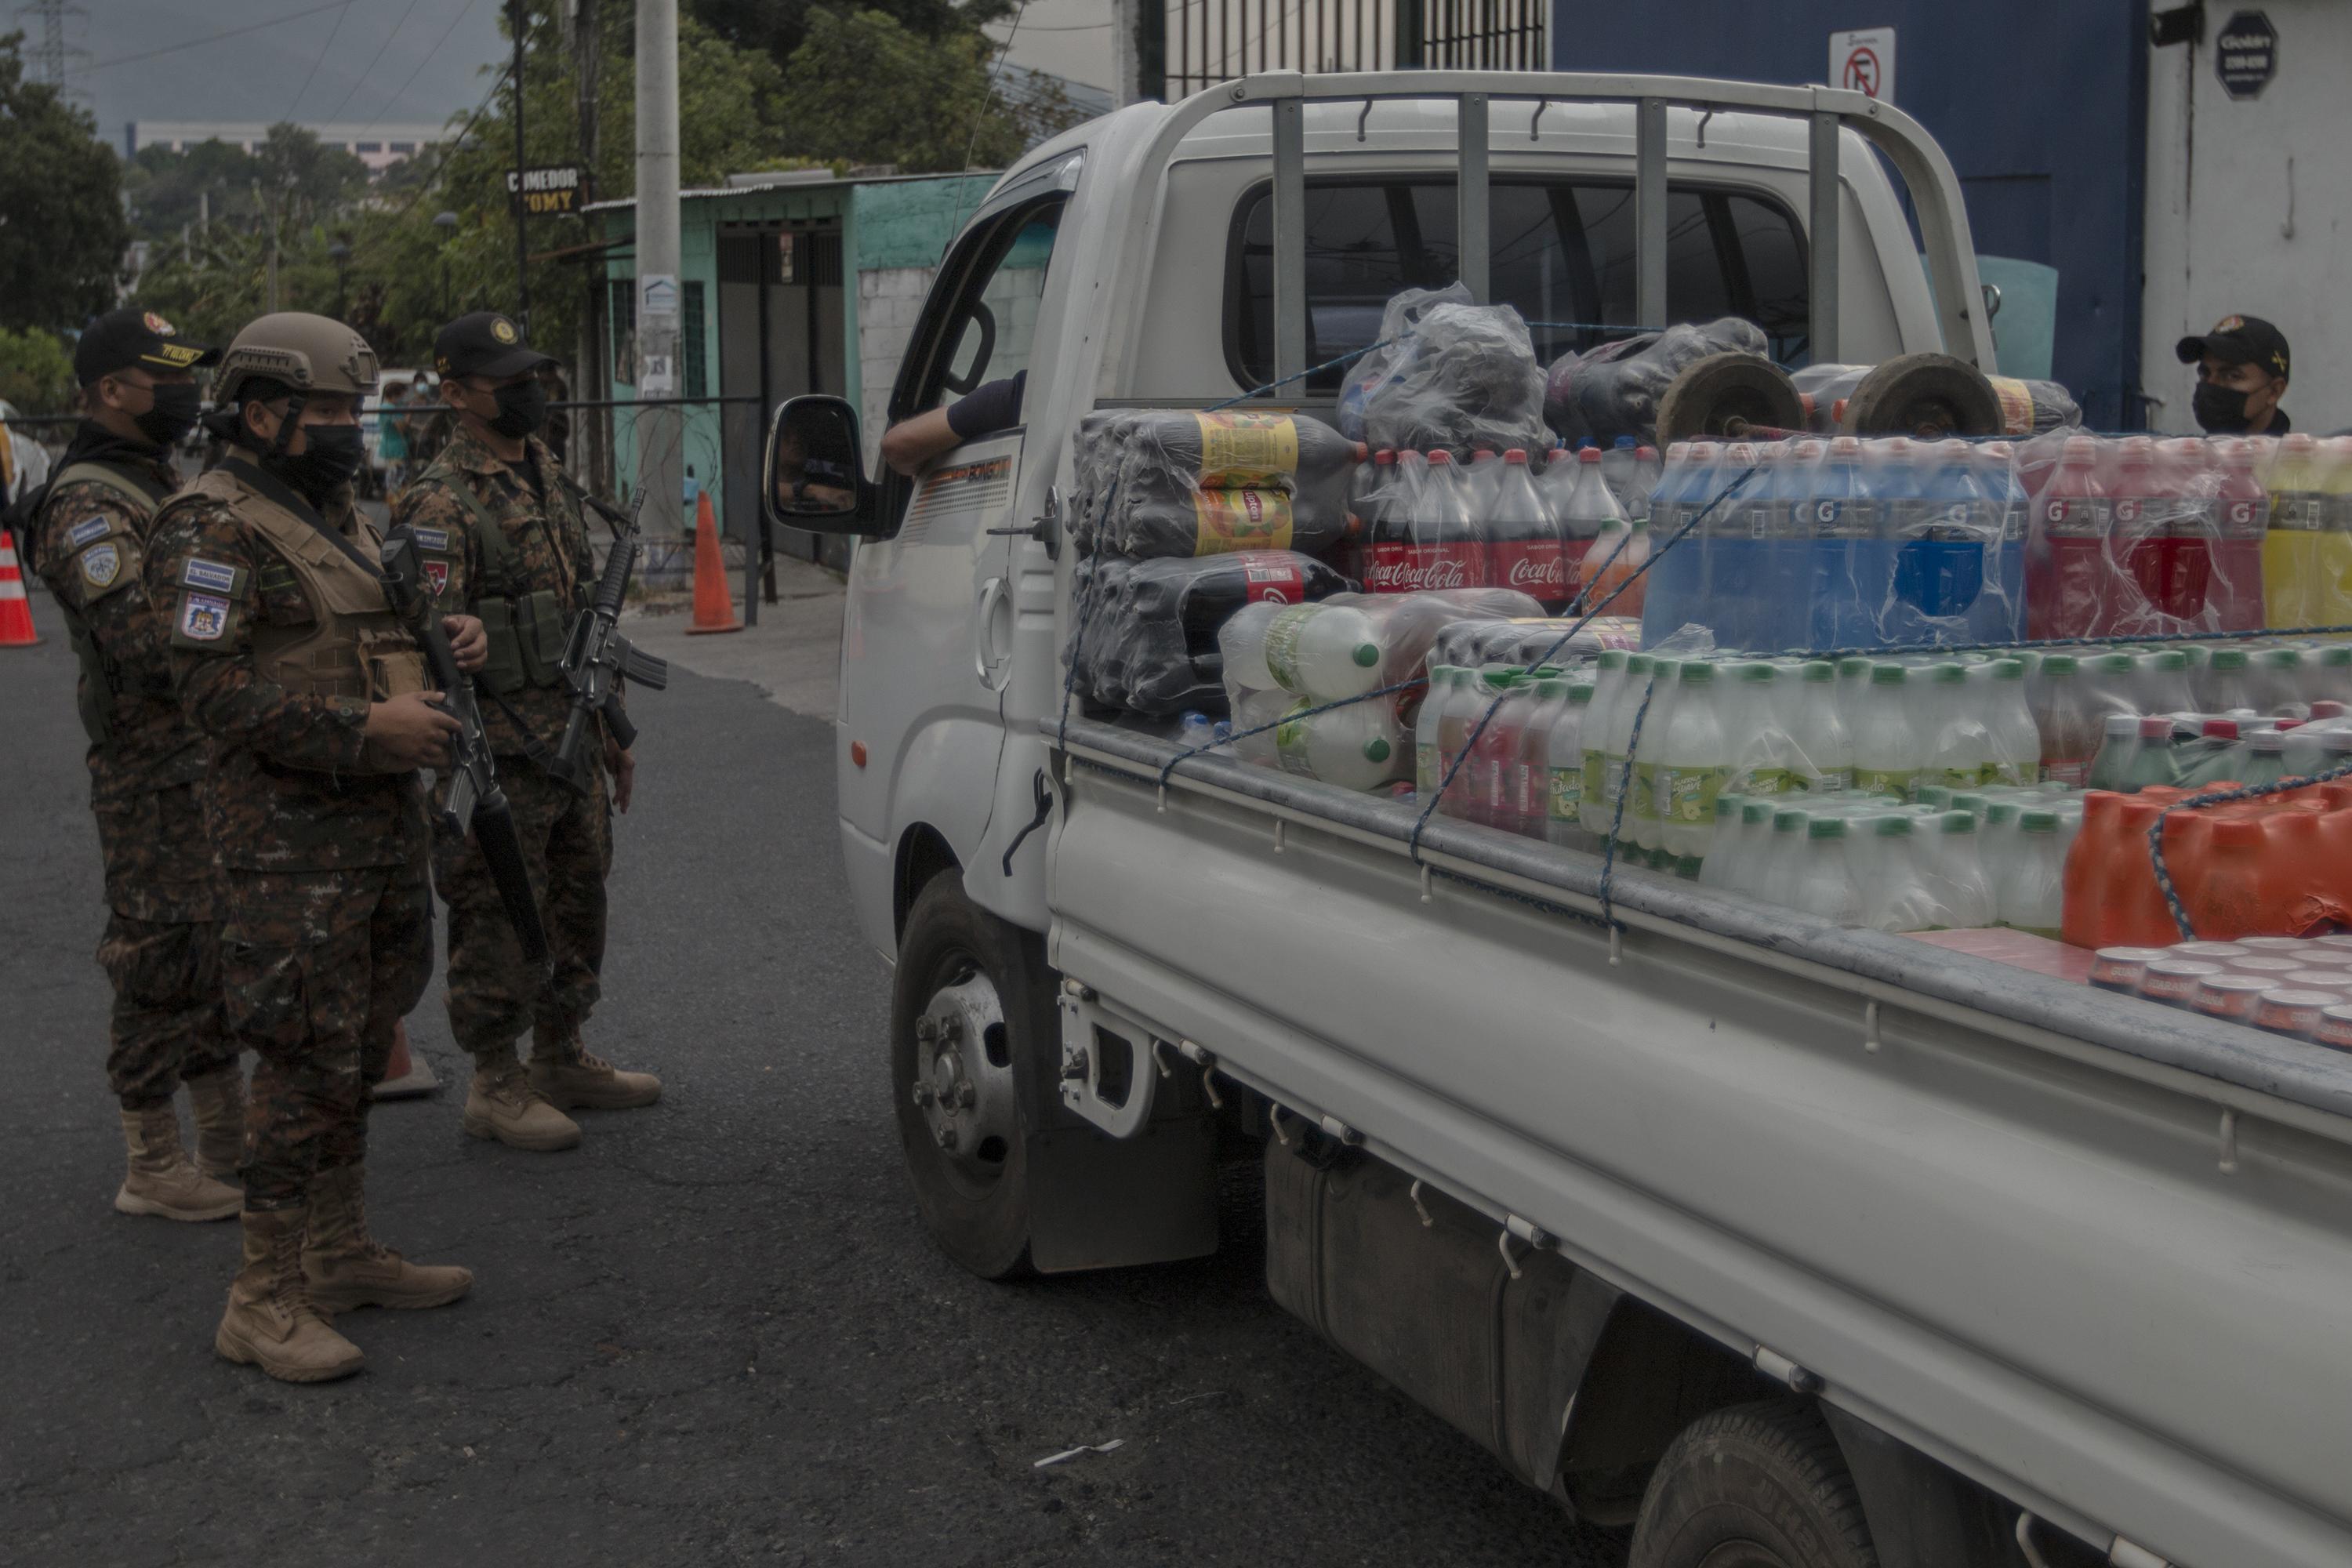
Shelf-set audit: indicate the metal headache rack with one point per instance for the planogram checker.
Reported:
(1934, 188)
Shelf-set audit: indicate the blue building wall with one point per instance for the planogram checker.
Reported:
(2042, 106)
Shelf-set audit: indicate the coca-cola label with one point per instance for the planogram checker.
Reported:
(1271, 578)
(1240, 519)
(1399, 567)
(1536, 567)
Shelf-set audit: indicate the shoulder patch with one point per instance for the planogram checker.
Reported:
(100, 566)
(89, 528)
(204, 617)
(202, 573)
(430, 537)
(437, 573)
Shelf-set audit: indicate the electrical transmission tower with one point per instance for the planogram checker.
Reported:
(49, 56)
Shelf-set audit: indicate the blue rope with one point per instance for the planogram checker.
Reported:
(1301, 375)
(1078, 632)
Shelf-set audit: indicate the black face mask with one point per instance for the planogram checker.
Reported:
(172, 416)
(330, 454)
(523, 410)
(2220, 410)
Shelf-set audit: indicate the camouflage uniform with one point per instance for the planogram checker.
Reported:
(161, 946)
(328, 940)
(526, 584)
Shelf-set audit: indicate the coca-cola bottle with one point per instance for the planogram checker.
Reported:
(1368, 484)
(1523, 539)
(1427, 539)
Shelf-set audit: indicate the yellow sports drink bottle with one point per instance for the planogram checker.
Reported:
(2291, 549)
(2330, 597)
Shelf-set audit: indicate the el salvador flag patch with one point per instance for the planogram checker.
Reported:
(208, 575)
(82, 533)
(431, 538)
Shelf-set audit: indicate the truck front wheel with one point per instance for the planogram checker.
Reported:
(970, 1007)
(1753, 1486)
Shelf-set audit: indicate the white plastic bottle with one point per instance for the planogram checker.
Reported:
(2016, 740)
(1885, 742)
(1899, 896)
(1617, 816)
(1443, 681)
(1772, 874)
(2030, 895)
(1564, 765)
(1648, 747)
(1356, 747)
(1821, 750)
(1824, 882)
(1592, 795)
(1753, 709)
(1696, 761)
(1242, 640)
(1954, 873)
(1960, 755)
(1324, 651)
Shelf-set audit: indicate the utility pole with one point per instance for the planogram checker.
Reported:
(658, 431)
(592, 427)
(517, 23)
(1140, 41)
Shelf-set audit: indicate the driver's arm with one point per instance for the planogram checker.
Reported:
(993, 405)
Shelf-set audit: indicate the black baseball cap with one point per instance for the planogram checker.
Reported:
(130, 336)
(485, 344)
(2240, 339)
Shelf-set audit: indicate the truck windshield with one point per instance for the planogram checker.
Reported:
(1562, 252)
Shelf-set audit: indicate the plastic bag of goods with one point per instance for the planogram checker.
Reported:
(2027, 407)
(1178, 482)
(1838, 544)
(1151, 643)
(1525, 644)
(1281, 662)
(2137, 537)
(1454, 375)
(1613, 390)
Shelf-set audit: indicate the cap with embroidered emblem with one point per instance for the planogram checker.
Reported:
(2240, 339)
(485, 344)
(121, 339)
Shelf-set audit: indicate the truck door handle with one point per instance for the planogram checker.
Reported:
(992, 595)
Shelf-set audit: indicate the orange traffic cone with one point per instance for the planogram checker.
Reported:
(405, 1076)
(16, 611)
(714, 603)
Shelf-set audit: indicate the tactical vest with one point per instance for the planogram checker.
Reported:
(527, 627)
(356, 647)
(94, 697)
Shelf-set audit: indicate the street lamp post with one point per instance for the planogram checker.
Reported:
(448, 224)
(340, 255)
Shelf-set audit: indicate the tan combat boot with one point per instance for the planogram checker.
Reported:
(572, 1079)
(344, 1266)
(501, 1104)
(217, 1105)
(159, 1180)
(270, 1323)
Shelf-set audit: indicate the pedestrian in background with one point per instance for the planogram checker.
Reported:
(287, 656)
(501, 531)
(160, 950)
(392, 438)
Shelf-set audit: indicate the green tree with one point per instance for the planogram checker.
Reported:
(779, 28)
(36, 372)
(863, 88)
(62, 233)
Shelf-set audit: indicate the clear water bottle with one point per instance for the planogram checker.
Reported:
(1620, 470)
(2016, 738)
(1822, 761)
(1956, 874)
(2119, 747)
(1958, 754)
(1564, 759)
(1647, 738)
(2030, 893)
(1594, 798)
(1886, 741)
(1697, 759)
(1824, 884)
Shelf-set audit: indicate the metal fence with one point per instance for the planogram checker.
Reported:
(1204, 42)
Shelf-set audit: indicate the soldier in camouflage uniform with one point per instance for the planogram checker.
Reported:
(312, 694)
(502, 537)
(162, 945)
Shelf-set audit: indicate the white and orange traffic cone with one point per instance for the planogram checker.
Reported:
(714, 602)
(407, 1075)
(15, 610)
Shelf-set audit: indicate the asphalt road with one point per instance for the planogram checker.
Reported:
(715, 1334)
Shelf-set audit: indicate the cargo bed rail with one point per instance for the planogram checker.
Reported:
(2237, 1070)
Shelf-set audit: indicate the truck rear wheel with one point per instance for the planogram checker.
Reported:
(1753, 1486)
(971, 1006)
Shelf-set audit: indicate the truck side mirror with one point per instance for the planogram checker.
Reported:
(814, 476)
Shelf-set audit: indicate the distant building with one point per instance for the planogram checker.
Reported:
(377, 146)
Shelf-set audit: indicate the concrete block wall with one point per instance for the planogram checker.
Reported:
(889, 303)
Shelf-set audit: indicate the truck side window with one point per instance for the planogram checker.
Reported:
(1561, 252)
(986, 333)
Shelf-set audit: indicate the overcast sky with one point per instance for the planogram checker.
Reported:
(390, 60)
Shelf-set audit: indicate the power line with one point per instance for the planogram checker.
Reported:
(360, 80)
(216, 38)
(333, 34)
(385, 108)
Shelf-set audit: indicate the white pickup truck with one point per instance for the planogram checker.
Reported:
(1776, 1243)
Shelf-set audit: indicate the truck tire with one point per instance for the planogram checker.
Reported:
(971, 1007)
(1753, 1486)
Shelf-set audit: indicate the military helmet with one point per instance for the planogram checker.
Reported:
(308, 353)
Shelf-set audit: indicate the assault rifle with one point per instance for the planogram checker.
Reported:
(597, 656)
(474, 798)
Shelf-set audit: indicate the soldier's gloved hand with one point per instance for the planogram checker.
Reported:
(409, 732)
(469, 641)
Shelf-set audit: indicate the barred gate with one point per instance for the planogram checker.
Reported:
(1204, 42)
